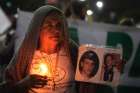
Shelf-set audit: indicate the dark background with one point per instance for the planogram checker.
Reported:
(112, 12)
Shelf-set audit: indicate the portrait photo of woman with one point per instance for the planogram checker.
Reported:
(88, 64)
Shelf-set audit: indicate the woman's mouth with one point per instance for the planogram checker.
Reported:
(54, 36)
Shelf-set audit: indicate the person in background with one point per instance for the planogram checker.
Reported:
(76, 10)
(127, 22)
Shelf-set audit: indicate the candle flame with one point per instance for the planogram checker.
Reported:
(44, 70)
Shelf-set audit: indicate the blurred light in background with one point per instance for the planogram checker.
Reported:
(16, 15)
(89, 16)
(8, 4)
(89, 12)
(99, 4)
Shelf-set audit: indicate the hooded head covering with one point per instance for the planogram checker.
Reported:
(18, 68)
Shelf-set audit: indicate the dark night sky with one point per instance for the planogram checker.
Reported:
(119, 4)
(122, 8)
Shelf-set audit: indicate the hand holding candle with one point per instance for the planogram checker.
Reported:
(33, 80)
(39, 73)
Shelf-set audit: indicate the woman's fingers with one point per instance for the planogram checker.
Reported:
(38, 81)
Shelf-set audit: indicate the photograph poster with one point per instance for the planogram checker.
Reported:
(89, 64)
(112, 66)
(99, 64)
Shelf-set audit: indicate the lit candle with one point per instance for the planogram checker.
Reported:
(44, 70)
(41, 68)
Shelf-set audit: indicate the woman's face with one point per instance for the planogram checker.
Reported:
(88, 66)
(51, 32)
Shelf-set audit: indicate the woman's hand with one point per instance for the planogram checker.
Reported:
(33, 81)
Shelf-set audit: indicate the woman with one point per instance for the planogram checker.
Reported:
(45, 43)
